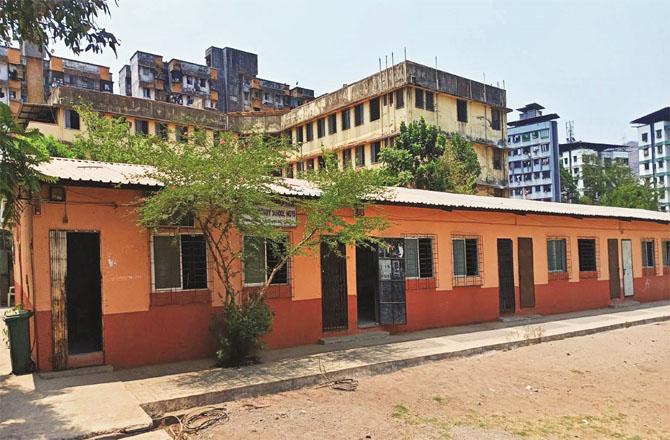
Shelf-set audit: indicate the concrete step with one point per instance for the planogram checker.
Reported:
(618, 304)
(76, 372)
(518, 318)
(364, 337)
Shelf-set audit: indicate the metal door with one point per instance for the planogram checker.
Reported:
(627, 257)
(334, 307)
(506, 275)
(613, 264)
(392, 302)
(526, 273)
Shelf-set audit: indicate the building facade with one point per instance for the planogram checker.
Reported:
(456, 259)
(360, 119)
(573, 155)
(533, 160)
(654, 152)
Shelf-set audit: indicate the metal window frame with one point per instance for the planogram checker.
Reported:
(468, 280)
(644, 242)
(181, 265)
(265, 265)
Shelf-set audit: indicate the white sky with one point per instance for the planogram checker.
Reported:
(601, 63)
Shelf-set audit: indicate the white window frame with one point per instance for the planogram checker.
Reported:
(432, 256)
(265, 265)
(181, 270)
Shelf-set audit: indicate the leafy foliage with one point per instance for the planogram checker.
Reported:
(569, 190)
(239, 329)
(19, 180)
(74, 22)
(424, 157)
(51, 147)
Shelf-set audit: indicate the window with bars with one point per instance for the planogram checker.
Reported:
(648, 254)
(466, 256)
(418, 98)
(665, 248)
(588, 259)
(358, 115)
(346, 119)
(261, 256)
(419, 257)
(557, 255)
(332, 123)
(179, 262)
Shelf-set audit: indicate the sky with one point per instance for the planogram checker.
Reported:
(598, 63)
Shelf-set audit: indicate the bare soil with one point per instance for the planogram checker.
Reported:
(609, 385)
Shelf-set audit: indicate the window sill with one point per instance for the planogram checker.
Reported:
(180, 297)
(588, 275)
(468, 281)
(273, 291)
(417, 283)
(554, 276)
(648, 271)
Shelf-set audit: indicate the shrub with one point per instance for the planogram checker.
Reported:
(239, 328)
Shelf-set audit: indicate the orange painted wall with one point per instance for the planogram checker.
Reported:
(135, 332)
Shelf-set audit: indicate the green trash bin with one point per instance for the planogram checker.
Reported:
(18, 331)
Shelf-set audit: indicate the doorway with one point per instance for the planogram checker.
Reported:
(613, 265)
(526, 273)
(83, 293)
(506, 275)
(334, 308)
(627, 259)
(392, 295)
(367, 286)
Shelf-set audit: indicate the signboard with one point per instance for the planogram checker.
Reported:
(280, 216)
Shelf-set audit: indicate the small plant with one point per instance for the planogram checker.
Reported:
(239, 329)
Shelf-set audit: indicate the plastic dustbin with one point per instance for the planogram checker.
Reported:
(18, 332)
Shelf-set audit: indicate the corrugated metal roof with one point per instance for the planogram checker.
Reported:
(127, 174)
(98, 172)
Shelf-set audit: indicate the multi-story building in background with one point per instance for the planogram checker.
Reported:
(574, 154)
(358, 120)
(654, 152)
(533, 158)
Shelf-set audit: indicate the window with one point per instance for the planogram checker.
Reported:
(71, 119)
(495, 119)
(321, 161)
(645, 137)
(648, 255)
(557, 255)
(360, 156)
(309, 129)
(320, 127)
(289, 171)
(141, 127)
(587, 255)
(358, 115)
(332, 123)
(659, 134)
(462, 110)
(181, 134)
(666, 253)
(261, 256)
(375, 148)
(179, 262)
(374, 109)
(534, 134)
(309, 164)
(346, 119)
(525, 137)
(418, 98)
(399, 98)
(466, 256)
(544, 134)
(497, 160)
(299, 134)
(430, 101)
(418, 258)
(161, 130)
(146, 92)
(346, 157)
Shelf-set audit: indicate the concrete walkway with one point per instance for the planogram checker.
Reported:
(64, 408)
(175, 391)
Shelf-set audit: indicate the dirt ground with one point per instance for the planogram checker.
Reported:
(609, 385)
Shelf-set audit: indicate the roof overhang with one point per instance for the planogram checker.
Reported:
(36, 112)
(657, 116)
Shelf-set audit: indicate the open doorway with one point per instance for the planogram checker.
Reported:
(367, 286)
(83, 293)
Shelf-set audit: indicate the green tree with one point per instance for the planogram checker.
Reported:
(424, 157)
(19, 179)
(74, 22)
(569, 191)
(50, 146)
(612, 183)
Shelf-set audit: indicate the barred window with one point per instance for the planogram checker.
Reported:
(648, 254)
(179, 262)
(557, 255)
(261, 256)
(418, 258)
(587, 255)
(466, 256)
(666, 253)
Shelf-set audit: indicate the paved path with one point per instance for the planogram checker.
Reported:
(163, 393)
(63, 408)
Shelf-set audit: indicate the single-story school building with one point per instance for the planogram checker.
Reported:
(106, 291)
